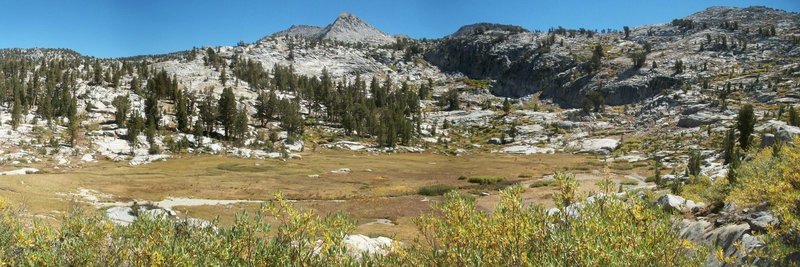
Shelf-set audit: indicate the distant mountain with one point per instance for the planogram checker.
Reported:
(346, 28)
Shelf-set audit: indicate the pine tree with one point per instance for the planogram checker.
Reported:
(98, 73)
(678, 66)
(135, 124)
(123, 105)
(223, 78)
(226, 110)
(597, 55)
(151, 111)
(506, 106)
(16, 112)
(291, 119)
(657, 170)
(729, 145)
(450, 100)
(627, 31)
(694, 163)
(197, 130)
(638, 58)
(264, 108)
(733, 167)
(240, 124)
(208, 113)
(182, 113)
(72, 128)
(794, 118)
(150, 132)
(745, 123)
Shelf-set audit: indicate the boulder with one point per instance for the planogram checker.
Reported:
(697, 119)
(678, 203)
(759, 221)
(724, 237)
(601, 146)
(787, 133)
(120, 215)
(359, 244)
(342, 171)
(767, 140)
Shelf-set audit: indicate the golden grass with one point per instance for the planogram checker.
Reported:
(379, 186)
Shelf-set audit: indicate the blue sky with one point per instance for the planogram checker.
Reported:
(115, 28)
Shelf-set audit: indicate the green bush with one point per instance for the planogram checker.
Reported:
(485, 180)
(543, 182)
(608, 232)
(773, 176)
(435, 190)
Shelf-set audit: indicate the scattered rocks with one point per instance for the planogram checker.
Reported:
(678, 203)
(761, 220)
(602, 146)
(21, 171)
(359, 244)
(341, 171)
(698, 119)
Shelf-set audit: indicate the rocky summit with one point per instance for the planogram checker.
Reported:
(678, 140)
(346, 28)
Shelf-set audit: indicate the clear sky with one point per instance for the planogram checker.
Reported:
(116, 28)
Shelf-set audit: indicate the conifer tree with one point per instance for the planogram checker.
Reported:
(182, 113)
(657, 170)
(263, 109)
(16, 111)
(197, 130)
(794, 118)
(223, 78)
(151, 111)
(597, 55)
(745, 123)
(208, 113)
(729, 145)
(240, 123)
(123, 105)
(72, 127)
(506, 106)
(135, 124)
(694, 163)
(226, 110)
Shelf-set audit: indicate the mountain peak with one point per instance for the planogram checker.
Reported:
(345, 15)
(346, 28)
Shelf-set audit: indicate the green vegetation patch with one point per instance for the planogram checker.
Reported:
(543, 183)
(484, 180)
(435, 190)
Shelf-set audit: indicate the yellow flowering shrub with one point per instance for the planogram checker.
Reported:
(772, 176)
(609, 231)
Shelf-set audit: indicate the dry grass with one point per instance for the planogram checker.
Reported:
(380, 186)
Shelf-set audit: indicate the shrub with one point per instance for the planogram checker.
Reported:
(484, 180)
(543, 183)
(435, 190)
(773, 177)
(629, 181)
(607, 232)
